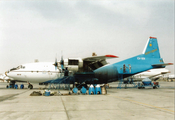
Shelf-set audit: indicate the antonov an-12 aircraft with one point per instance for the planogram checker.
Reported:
(40, 72)
(92, 70)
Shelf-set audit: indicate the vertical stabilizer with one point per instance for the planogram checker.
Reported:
(152, 48)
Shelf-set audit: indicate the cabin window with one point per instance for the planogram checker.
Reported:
(73, 62)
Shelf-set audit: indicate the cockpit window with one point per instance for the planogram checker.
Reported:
(13, 69)
(17, 68)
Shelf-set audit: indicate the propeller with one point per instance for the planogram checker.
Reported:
(56, 63)
(62, 62)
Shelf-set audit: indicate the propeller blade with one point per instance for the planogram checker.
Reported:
(62, 62)
(56, 63)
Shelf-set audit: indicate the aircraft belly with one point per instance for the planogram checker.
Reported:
(106, 74)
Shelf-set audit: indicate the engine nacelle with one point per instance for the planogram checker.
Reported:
(73, 64)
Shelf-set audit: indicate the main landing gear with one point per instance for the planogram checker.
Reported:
(11, 84)
(30, 86)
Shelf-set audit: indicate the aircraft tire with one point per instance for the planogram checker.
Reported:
(30, 86)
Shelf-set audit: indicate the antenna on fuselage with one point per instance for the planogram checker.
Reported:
(36, 60)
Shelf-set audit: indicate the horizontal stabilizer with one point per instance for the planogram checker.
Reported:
(164, 64)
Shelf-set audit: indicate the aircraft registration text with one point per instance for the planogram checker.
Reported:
(150, 51)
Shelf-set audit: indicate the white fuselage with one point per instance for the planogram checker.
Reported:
(34, 72)
(151, 73)
(45, 71)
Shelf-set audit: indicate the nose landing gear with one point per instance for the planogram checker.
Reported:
(30, 86)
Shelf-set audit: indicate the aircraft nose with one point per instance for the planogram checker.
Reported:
(6, 73)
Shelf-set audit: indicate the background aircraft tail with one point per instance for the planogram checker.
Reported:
(151, 49)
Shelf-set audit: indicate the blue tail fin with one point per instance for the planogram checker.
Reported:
(152, 49)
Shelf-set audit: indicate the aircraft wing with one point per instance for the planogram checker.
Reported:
(95, 58)
(95, 62)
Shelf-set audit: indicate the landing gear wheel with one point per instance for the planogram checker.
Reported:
(11, 84)
(30, 86)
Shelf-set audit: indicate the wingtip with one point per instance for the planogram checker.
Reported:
(170, 63)
(153, 37)
(112, 56)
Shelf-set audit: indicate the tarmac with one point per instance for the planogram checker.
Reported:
(118, 104)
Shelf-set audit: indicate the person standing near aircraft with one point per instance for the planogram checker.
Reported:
(129, 68)
(66, 72)
(124, 68)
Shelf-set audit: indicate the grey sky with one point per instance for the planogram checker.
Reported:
(41, 29)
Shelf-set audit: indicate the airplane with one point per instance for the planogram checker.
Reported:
(170, 78)
(40, 72)
(92, 70)
(4, 78)
(147, 78)
(153, 74)
(1, 78)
